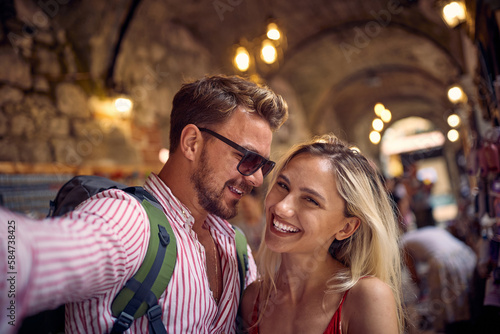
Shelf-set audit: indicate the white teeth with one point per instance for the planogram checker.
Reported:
(239, 192)
(284, 228)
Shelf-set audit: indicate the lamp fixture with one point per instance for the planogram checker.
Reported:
(453, 13)
(453, 135)
(268, 52)
(123, 105)
(375, 137)
(377, 124)
(453, 120)
(379, 107)
(262, 54)
(386, 115)
(273, 31)
(456, 95)
(242, 59)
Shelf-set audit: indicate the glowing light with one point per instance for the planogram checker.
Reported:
(454, 13)
(268, 52)
(375, 137)
(163, 155)
(456, 94)
(386, 115)
(377, 124)
(453, 120)
(453, 135)
(123, 105)
(273, 32)
(379, 107)
(242, 59)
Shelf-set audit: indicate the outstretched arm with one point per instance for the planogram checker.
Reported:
(71, 258)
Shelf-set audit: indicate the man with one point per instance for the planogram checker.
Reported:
(221, 132)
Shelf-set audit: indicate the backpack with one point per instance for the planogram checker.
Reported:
(140, 294)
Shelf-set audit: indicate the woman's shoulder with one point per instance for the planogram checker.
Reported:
(371, 288)
(370, 304)
(249, 300)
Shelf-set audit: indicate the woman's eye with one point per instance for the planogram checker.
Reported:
(309, 199)
(282, 185)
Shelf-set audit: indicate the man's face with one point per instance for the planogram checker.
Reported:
(219, 185)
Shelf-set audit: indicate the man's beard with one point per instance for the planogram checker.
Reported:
(211, 199)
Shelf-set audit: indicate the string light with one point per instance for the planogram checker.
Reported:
(123, 105)
(375, 137)
(453, 120)
(456, 94)
(386, 115)
(268, 52)
(378, 124)
(453, 135)
(242, 59)
(454, 13)
(379, 107)
(261, 54)
(273, 32)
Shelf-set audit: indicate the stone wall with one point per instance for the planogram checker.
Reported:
(47, 84)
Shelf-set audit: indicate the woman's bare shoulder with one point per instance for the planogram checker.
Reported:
(370, 305)
(371, 288)
(248, 301)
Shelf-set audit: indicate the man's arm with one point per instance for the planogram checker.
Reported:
(71, 258)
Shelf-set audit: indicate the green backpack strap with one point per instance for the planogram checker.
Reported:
(141, 293)
(242, 253)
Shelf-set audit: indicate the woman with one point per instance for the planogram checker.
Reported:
(330, 262)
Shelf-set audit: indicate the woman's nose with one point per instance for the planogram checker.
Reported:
(285, 207)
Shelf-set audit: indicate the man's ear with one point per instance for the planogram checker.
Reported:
(351, 225)
(190, 141)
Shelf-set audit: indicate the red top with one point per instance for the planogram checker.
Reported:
(334, 327)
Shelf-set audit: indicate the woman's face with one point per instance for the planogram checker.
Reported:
(304, 211)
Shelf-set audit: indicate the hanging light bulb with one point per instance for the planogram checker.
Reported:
(377, 124)
(242, 59)
(453, 120)
(379, 107)
(123, 105)
(456, 94)
(273, 32)
(453, 135)
(386, 115)
(268, 52)
(454, 13)
(375, 137)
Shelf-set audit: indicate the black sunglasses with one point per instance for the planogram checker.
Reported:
(250, 162)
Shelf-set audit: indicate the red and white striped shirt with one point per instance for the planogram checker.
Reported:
(84, 258)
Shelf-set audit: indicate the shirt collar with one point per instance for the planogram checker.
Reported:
(167, 199)
(164, 195)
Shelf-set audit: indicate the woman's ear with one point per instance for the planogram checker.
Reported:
(351, 225)
(190, 141)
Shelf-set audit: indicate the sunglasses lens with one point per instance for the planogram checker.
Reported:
(250, 163)
(267, 168)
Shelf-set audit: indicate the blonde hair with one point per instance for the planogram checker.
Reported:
(373, 250)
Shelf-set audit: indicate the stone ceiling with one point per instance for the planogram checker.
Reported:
(342, 56)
